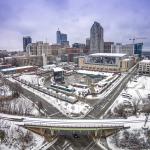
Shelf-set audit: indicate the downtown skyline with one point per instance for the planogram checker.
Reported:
(121, 20)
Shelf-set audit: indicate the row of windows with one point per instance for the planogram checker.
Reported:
(100, 69)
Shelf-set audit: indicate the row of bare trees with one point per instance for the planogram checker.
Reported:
(15, 88)
(16, 137)
(15, 107)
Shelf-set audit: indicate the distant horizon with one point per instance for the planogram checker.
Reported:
(121, 21)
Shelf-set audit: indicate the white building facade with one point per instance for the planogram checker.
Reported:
(106, 62)
(144, 67)
(127, 49)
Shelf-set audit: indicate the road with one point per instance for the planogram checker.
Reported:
(47, 108)
(102, 106)
(83, 142)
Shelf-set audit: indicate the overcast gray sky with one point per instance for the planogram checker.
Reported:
(121, 20)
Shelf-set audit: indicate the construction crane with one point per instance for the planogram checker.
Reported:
(137, 38)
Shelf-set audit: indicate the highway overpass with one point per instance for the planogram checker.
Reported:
(103, 127)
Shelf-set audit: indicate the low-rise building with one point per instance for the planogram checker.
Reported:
(107, 62)
(3, 53)
(15, 70)
(144, 67)
(71, 53)
(33, 60)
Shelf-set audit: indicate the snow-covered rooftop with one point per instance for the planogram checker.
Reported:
(109, 54)
(49, 66)
(93, 72)
(15, 68)
(127, 59)
(57, 69)
(145, 61)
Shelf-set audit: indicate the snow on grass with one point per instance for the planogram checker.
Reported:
(94, 73)
(66, 108)
(14, 136)
(138, 88)
(78, 109)
(5, 91)
(133, 138)
(21, 105)
(27, 106)
(33, 79)
(136, 137)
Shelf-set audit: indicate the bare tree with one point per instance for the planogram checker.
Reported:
(135, 105)
(2, 135)
(120, 110)
(25, 138)
(40, 106)
(16, 89)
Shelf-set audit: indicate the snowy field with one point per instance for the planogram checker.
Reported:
(18, 138)
(78, 109)
(23, 106)
(136, 93)
(99, 83)
(128, 104)
(93, 72)
(33, 79)
(133, 138)
(5, 91)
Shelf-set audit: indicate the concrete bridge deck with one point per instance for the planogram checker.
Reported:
(71, 124)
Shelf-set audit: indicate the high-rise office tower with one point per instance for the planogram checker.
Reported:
(58, 37)
(26, 40)
(96, 38)
(88, 43)
(61, 38)
(107, 47)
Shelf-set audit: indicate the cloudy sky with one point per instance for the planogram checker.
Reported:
(121, 20)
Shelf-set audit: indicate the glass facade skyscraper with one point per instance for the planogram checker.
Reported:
(61, 38)
(138, 49)
(26, 40)
(96, 38)
(58, 37)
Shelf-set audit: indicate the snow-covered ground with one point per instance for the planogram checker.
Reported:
(79, 109)
(23, 105)
(93, 72)
(136, 137)
(98, 86)
(136, 92)
(33, 79)
(132, 99)
(17, 138)
(5, 91)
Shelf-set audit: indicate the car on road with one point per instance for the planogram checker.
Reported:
(75, 135)
(126, 95)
